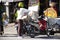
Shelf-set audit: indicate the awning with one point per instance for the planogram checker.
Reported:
(10, 0)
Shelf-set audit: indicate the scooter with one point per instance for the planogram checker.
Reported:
(41, 30)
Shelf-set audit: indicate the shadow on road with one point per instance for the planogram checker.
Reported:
(51, 37)
(9, 35)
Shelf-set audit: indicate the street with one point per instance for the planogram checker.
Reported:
(11, 34)
(29, 10)
(43, 37)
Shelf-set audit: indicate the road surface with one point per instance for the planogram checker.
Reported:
(11, 34)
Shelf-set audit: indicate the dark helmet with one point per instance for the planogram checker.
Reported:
(41, 17)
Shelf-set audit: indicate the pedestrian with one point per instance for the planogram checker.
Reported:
(5, 21)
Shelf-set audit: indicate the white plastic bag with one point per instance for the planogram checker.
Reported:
(33, 14)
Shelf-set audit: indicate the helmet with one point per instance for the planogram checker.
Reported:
(41, 17)
(20, 4)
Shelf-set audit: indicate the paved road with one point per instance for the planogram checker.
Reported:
(28, 38)
(11, 34)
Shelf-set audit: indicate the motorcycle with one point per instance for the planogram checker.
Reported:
(33, 28)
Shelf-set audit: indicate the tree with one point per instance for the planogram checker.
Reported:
(26, 2)
(41, 7)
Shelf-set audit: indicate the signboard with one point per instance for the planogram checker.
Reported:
(33, 8)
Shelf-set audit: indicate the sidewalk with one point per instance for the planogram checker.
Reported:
(10, 29)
